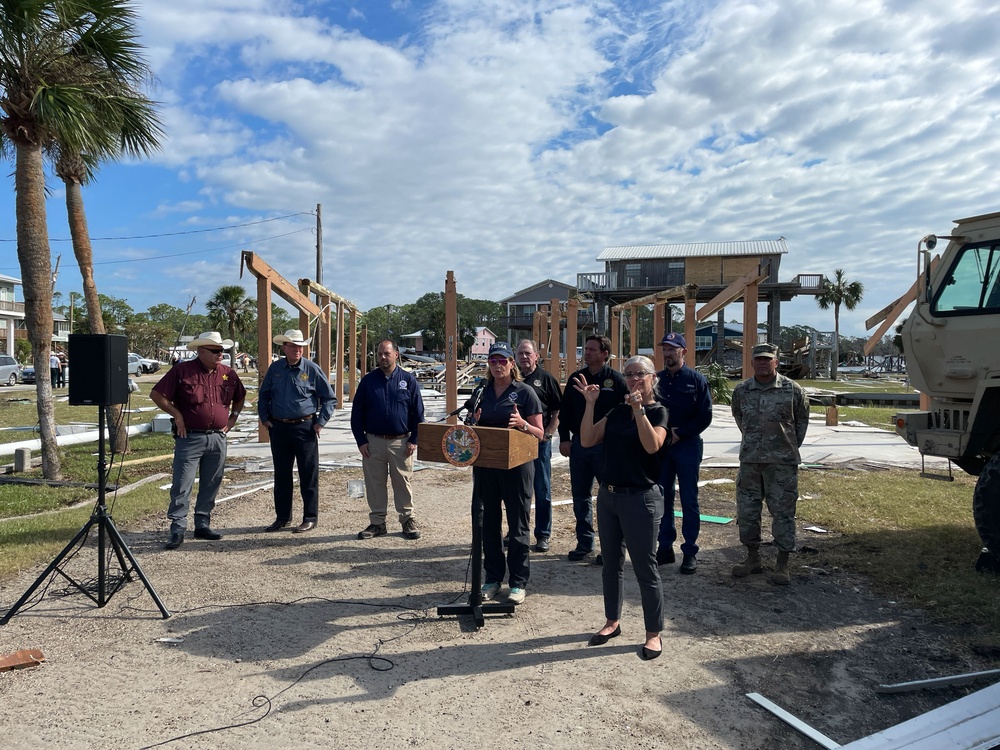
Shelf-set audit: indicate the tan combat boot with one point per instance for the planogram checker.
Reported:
(780, 575)
(751, 564)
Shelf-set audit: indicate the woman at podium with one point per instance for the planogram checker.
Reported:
(629, 503)
(506, 402)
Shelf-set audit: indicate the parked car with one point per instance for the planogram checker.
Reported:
(134, 365)
(28, 374)
(146, 365)
(10, 370)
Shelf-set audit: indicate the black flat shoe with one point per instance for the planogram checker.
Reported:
(647, 654)
(276, 526)
(176, 540)
(599, 640)
(207, 533)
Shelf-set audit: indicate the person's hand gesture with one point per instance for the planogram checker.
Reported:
(516, 421)
(589, 391)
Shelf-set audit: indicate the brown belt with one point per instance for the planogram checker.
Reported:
(390, 437)
(300, 420)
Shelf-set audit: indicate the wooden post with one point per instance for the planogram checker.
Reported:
(660, 312)
(553, 354)
(750, 298)
(616, 362)
(572, 317)
(690, 331)
(451, 346)
(352, 377)
(340, 356)
(263, 343)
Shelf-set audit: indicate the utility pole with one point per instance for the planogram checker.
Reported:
(184, 324)
(319, 244)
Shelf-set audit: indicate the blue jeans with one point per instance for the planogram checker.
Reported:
(682, 462)
(204, 455)
(585, 465)
(543, 490)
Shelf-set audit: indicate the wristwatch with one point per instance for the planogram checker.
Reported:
(642, 410)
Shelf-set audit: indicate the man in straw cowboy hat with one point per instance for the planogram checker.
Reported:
(204, 397)
(295, 401)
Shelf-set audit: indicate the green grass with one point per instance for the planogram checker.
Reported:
(913, 538)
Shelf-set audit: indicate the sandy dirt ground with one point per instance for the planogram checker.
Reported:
(322, 640)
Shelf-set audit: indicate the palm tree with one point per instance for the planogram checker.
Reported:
(839, 292)
(126, 125)
(231, 310)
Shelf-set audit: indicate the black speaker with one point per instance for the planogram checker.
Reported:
(98, 369)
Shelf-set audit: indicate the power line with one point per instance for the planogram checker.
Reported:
(178, 234)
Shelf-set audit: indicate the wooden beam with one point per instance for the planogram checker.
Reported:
(674, 292)
(280, 285)
(730, 294)
(891, 312)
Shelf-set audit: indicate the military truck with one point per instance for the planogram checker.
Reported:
(952, 345)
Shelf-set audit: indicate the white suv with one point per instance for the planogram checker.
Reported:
(134, 365)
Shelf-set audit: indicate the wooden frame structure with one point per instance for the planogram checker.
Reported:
(270, 281)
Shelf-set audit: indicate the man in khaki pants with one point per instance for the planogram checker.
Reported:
(384, 416)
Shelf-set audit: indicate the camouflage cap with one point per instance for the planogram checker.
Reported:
(765, 350)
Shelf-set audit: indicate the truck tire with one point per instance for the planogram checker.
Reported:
(986, 505)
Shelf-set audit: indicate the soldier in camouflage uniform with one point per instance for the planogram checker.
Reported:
(772, 413)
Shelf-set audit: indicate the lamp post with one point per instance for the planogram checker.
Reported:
(72, 308)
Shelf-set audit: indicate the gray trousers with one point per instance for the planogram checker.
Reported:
(631, 521)
(388, 461)
(204, 455)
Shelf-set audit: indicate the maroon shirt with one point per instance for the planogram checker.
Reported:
(203, 398)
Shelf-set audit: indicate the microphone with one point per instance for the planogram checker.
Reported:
(474, 401)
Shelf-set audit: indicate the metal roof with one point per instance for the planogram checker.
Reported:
(695, 250)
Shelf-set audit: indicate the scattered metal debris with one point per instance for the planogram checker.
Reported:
(960, 679)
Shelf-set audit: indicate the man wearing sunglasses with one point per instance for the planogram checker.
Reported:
(204, 397)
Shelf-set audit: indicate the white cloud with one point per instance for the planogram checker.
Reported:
(512, 141)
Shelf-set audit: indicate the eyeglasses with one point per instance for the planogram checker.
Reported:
(498, 360)
(637, 375)
(214, 351)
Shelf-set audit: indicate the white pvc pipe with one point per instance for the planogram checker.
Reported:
(77, 438)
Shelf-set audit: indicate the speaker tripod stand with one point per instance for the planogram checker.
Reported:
(107, 533)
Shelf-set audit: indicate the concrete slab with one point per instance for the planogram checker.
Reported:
(825, 446)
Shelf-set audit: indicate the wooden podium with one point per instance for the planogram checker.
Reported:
(490, 448)
(500, 448)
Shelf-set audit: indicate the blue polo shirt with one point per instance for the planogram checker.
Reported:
(295, 392)
(688, 400)
(387, 405)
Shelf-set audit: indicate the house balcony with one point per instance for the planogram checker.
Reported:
(584, 319)
(613, 281)
(7, 305)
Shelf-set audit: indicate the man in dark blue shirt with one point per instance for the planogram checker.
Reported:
(294, 402)
(585, 463)
(688, 399)
(384, 416)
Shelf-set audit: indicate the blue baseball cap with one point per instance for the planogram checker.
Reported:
(501, 347)
(675, 340)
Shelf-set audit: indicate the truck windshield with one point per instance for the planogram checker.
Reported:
(972, 284)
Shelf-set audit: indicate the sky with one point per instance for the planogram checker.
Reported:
(510, 141)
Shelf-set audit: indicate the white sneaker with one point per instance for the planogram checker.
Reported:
(490, 590)
(516, 595)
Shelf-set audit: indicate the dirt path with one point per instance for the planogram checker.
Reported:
(296, 618)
